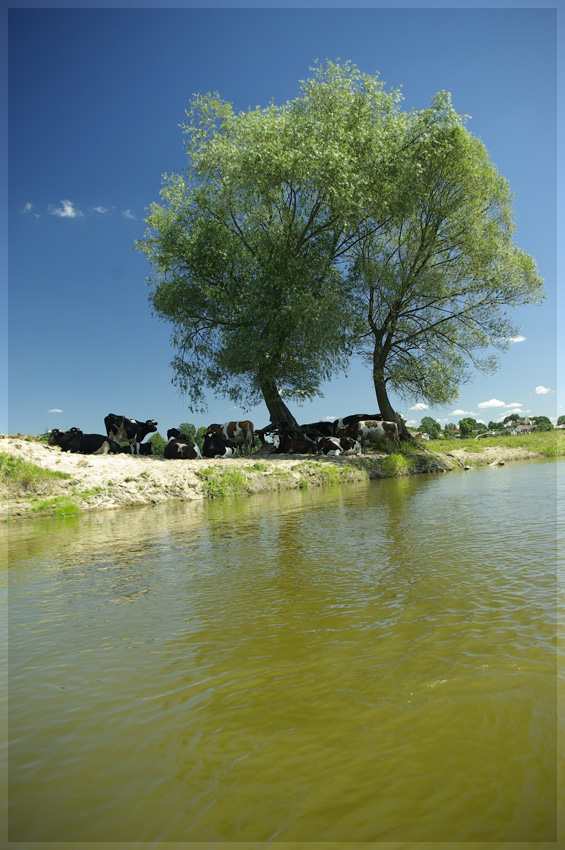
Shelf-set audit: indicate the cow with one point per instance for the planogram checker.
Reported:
(318, 429)
(74, 441)
(216, 447)
(335, 446)
(180, 447)
(145, 449)
(121, 429)
(371, 430)
(338, 424)
(240, 432)
(288, 445)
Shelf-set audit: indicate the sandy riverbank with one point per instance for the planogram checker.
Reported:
(99, 482)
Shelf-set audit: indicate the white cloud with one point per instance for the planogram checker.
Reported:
(542, 390)
(100, 209)
(55, 410)
(463, 413)
(66, 210)
(420, 406)
(516, 338)
(411, 421)
(127, 214)
(28, 207)
(493, 402)
(328, 419)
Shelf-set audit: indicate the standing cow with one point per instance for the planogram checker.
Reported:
(240, 433)
(371, 431)
(122, 430)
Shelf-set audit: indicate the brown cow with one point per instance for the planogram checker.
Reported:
(369, 431)
(239, 432)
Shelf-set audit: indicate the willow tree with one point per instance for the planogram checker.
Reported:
(250, 245)
(436, 283)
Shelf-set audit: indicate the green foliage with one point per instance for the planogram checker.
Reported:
(431, 427)
(158, 444)
(467, 426)
(512, 417)
(189, 430)
(333, 223)
(543, 423)
(435, 280)
(561, 420)
(248, 248)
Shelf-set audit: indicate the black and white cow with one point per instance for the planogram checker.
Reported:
(240, 432)
(74, 440)
(180, 447)
(216, 447)
(121, 429)
(289, 445)
(335, 446)
(146, 449)
(318, 429)
(352, 419)
(370, 431)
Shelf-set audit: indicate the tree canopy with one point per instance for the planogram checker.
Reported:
(250, 246)
(435, 280)
(333, 224)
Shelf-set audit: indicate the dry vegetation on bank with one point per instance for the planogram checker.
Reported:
(37, 479)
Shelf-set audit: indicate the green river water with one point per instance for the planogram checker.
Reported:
(375, 663)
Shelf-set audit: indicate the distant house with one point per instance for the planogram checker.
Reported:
(523, 429)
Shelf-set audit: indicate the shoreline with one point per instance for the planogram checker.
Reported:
(106, 482)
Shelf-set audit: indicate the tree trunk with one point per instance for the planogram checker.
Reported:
(385, 407)
(278, 411)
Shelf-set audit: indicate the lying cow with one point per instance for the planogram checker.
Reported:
(122, 430)
(287, 445)
(216, 447)
(335, 446)
(180, 447)
(371, 431)
(74, 440)
(240, 433)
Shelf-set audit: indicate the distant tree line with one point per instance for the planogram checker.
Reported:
(469, 426)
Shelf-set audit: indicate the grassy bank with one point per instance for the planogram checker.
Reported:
(549, 444)
(36, 479)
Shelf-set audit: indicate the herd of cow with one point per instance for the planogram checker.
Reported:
(347, 436)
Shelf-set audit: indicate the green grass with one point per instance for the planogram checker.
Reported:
(547, 443)
(231, 482)
(20, 475)
(259, 466)
(394, 464)
(57, 506)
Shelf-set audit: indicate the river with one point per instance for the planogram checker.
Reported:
(369, 663)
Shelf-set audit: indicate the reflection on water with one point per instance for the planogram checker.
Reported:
(362, 664)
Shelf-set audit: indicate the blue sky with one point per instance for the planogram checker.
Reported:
(95, 99)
